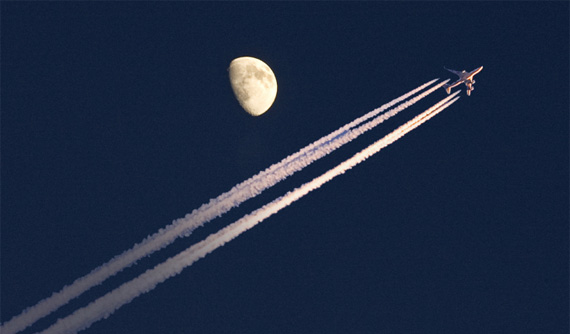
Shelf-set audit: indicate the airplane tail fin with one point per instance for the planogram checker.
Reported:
(447, 88)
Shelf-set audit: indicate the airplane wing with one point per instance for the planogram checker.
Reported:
(454, 72)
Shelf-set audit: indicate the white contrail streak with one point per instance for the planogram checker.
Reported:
(109, 303)
(214, 208)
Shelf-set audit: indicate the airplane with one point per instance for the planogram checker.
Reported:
(464, 77)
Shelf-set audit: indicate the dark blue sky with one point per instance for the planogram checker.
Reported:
(118, 118)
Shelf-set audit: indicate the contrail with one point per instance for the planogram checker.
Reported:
(214, 208)
(104, 306)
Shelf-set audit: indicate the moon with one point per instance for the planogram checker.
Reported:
(253, 83)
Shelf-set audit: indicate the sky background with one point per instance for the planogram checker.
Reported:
(118, 117)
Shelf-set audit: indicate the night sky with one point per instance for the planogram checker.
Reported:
(118, 117)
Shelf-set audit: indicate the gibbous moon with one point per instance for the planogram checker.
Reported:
(253, 83)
